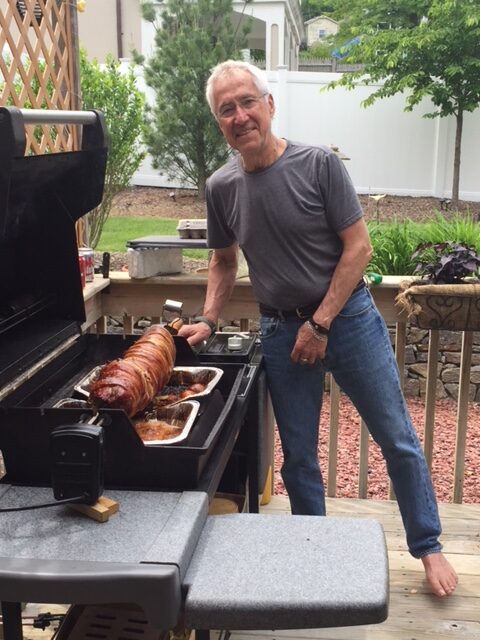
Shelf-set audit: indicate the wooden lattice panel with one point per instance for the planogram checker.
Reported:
(37, 66)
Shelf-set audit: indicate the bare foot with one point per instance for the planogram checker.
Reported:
(440, 574)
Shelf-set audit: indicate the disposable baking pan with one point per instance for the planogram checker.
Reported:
(71, 403)
(181, 415)
(181, 382)
(181, 379)
(83, 386)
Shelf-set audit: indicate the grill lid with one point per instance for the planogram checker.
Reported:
(41, 198)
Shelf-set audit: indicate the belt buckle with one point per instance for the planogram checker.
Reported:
(300, 313)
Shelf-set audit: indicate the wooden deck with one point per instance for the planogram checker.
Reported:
(414, 614)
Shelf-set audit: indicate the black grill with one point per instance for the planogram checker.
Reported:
(43, 354)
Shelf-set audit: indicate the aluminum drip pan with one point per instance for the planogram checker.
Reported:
(71, 403)
(83, 386)
(167, 425)
(185, 383)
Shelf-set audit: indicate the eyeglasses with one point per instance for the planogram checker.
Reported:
(247, 104)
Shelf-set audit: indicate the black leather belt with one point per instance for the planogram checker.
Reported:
(299, 312)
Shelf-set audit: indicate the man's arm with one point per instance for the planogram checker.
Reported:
(222, 270)
(356, 254)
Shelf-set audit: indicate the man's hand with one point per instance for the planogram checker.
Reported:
(309, 346)
(195, 333)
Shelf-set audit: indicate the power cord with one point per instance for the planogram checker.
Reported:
(42, 621)
(83, 498)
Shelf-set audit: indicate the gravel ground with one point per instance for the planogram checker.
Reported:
(179, 204)
(378, 484)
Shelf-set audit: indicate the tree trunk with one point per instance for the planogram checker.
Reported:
(201, 188)
(456, 160)
(201, 169)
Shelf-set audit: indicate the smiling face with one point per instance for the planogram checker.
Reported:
(244, 114)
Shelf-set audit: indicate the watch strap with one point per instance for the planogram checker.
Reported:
(211, 323)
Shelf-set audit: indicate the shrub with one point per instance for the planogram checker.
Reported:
(393, 245)
(115, 94)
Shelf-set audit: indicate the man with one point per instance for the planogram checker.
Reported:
(293, 210)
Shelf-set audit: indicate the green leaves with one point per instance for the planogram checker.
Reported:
(114, 93)
(181, 134)
(423, 48)
(394, 243)
(437, 39)
(446, 262)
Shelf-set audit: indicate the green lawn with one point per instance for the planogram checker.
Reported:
(118, 230)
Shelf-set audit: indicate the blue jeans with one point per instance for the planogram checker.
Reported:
(361, 359)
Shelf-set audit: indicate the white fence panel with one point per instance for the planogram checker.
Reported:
(390, 151)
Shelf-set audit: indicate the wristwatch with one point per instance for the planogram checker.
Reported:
(211, 324)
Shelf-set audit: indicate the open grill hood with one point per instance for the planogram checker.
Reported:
(41, 198)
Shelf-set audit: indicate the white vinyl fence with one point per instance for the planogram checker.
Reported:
(390, 151)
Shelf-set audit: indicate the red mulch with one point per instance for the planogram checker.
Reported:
(378, 484)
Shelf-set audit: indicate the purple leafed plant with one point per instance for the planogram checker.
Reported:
(446, 262)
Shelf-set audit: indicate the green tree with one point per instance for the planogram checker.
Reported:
(115, 93)
(425, 48)
(313, 8)
(358, 17)
(181, 136)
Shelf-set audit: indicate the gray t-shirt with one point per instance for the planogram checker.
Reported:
(285, 219)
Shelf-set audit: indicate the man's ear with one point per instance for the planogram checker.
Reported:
(271, 104)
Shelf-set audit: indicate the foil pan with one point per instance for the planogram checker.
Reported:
(187, 383)
(83, 386)
(174, 422)
(71, 403)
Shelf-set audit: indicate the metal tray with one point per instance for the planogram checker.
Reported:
(83, 386)
(71, 403)
(181, 381)
(182, 377)
(181, 415)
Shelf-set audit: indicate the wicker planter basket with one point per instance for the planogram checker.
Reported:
(452, 307)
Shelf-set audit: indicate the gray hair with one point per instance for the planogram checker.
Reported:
(225, 69)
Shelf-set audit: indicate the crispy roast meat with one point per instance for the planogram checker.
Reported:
(131, 382)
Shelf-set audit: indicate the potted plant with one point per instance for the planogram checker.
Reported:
(447, 296)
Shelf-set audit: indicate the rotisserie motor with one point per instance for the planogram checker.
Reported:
(131, 382)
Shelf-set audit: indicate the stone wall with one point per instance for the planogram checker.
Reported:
(450, 346)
